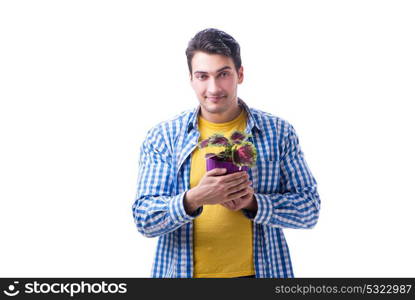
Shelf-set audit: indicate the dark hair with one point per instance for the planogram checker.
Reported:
(214, 41)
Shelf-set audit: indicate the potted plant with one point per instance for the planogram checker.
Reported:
(239, 153)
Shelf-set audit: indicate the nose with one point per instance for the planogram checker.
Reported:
(213, 87)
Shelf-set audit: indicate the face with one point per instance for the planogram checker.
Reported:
(215, 79)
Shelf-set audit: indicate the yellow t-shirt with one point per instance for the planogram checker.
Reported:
(222, 237)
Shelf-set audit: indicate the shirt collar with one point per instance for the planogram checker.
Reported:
(251, 122)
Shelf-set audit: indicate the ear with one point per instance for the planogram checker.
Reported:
(240, 75)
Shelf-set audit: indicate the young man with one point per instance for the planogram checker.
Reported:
(212, 224)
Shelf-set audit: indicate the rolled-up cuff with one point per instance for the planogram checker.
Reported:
(264, 212)
(178, 212)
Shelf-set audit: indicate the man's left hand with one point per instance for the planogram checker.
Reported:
(248, 201)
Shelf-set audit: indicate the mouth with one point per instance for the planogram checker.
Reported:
(214, 99)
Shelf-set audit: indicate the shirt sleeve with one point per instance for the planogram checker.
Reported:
(297, 203)
(156, 210)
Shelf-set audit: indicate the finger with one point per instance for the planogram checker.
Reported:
(237, 182)
(239, 187)
(242, 201)
(225, 204)
(234, 176)
(237, 195)
(229, 204)
(239, 203)
(216, 172)
(247, 196)
(250, 191)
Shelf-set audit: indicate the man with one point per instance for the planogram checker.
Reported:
(212, 224)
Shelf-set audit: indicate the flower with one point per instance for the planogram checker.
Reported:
(237, 149)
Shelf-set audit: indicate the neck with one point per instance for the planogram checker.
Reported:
(223, 117)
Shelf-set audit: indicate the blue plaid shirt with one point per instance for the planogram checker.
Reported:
(285, 190)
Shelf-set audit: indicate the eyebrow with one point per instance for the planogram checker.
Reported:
(217, 71)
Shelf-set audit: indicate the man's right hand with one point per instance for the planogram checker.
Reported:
(216, 188)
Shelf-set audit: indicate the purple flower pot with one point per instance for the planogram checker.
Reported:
(212, 163)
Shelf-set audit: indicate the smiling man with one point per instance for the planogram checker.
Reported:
(215, 79)
(212, 224)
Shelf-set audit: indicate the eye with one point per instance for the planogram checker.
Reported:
(223, 74)
(201, 77)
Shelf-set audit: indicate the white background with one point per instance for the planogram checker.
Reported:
(81, 82)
